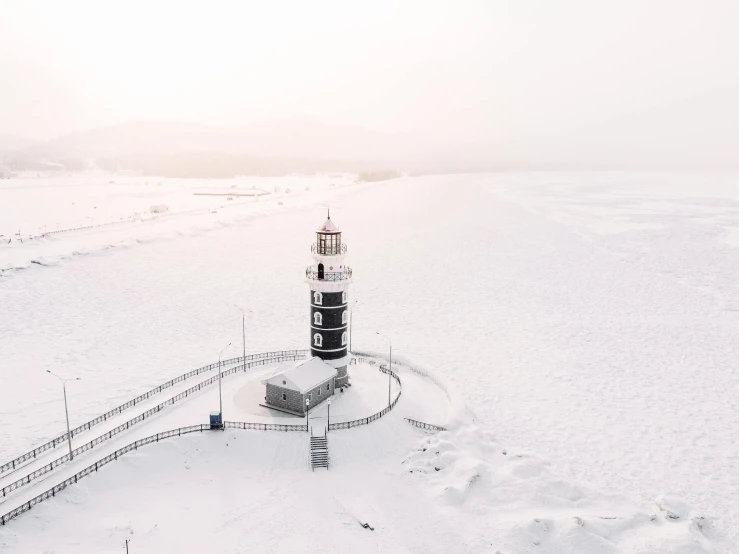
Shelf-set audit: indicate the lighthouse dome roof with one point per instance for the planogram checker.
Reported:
(328, 226)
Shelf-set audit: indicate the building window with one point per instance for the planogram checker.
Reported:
(319, 391)
(317, 340)
(317, 298)
(284, 396)
(328, 386)
(343, 316)
(343, 297)
(343, 338)
(317, 318)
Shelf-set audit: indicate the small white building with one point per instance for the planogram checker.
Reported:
(311, 379)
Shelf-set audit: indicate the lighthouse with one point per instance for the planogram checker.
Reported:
(329, 278)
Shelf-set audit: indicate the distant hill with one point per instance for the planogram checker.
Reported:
(180, 149)
(269, 147)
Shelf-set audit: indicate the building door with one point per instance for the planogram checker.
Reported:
(320, 271)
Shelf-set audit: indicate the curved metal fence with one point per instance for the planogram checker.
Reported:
(366, 420)
(85, 426)
(285, 355)
(12, 514)
(264, 426)
(97, 465)
(426, 426)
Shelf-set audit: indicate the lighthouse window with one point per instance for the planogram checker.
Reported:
(343, 338)
(284, 396)
(317, 298)
(318, 318)
(343, 316)
(317, 340)
(343, 297)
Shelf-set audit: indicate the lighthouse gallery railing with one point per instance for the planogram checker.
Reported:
(342, 275)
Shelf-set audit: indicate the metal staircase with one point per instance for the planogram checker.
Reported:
(318, 451)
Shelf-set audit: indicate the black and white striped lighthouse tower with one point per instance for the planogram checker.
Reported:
(329, 278)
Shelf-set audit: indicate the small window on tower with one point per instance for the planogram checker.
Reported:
(343, 316)
(343, 297)
(317, 318)
(343, 338)
(317, 298)
(328, 386)
(284, 396)
(319, 391)
(317, 340)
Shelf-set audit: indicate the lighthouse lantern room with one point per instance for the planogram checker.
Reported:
(329, 278)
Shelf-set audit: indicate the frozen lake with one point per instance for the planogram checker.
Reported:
(590, 318)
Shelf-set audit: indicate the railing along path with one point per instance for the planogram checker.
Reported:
(366, 420)
(285, 355)
(13, 464)
(427, 426)
(43, 470)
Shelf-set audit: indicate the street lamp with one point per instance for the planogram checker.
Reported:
(243, 333)
(351, 313)
(220, 395)
(390, 373)
(66, 411)
(307, 407)
(329, 415)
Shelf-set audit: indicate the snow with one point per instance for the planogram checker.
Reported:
(303, 376)
(605, 359)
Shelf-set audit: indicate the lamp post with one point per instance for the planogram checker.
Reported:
(390, 373)
(220, 395)
(351, 317)
(328, 425)
(66, 411)
(243, 333)
(307, 407)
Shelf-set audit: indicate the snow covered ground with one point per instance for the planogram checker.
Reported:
(114, 211)
(590, 319)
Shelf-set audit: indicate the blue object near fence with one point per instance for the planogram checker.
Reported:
(215, 420)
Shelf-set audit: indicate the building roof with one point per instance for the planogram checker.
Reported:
(328, 226)
(303, 376)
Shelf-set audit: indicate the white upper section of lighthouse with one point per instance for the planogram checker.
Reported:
(329, 272)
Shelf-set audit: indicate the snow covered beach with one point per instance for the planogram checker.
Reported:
(608, 354)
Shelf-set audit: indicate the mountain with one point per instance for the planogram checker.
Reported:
(269, 147)
(295, 137)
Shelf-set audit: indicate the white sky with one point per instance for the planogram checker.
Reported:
(543, 80)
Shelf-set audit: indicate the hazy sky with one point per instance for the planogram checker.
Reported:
(543, 80)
